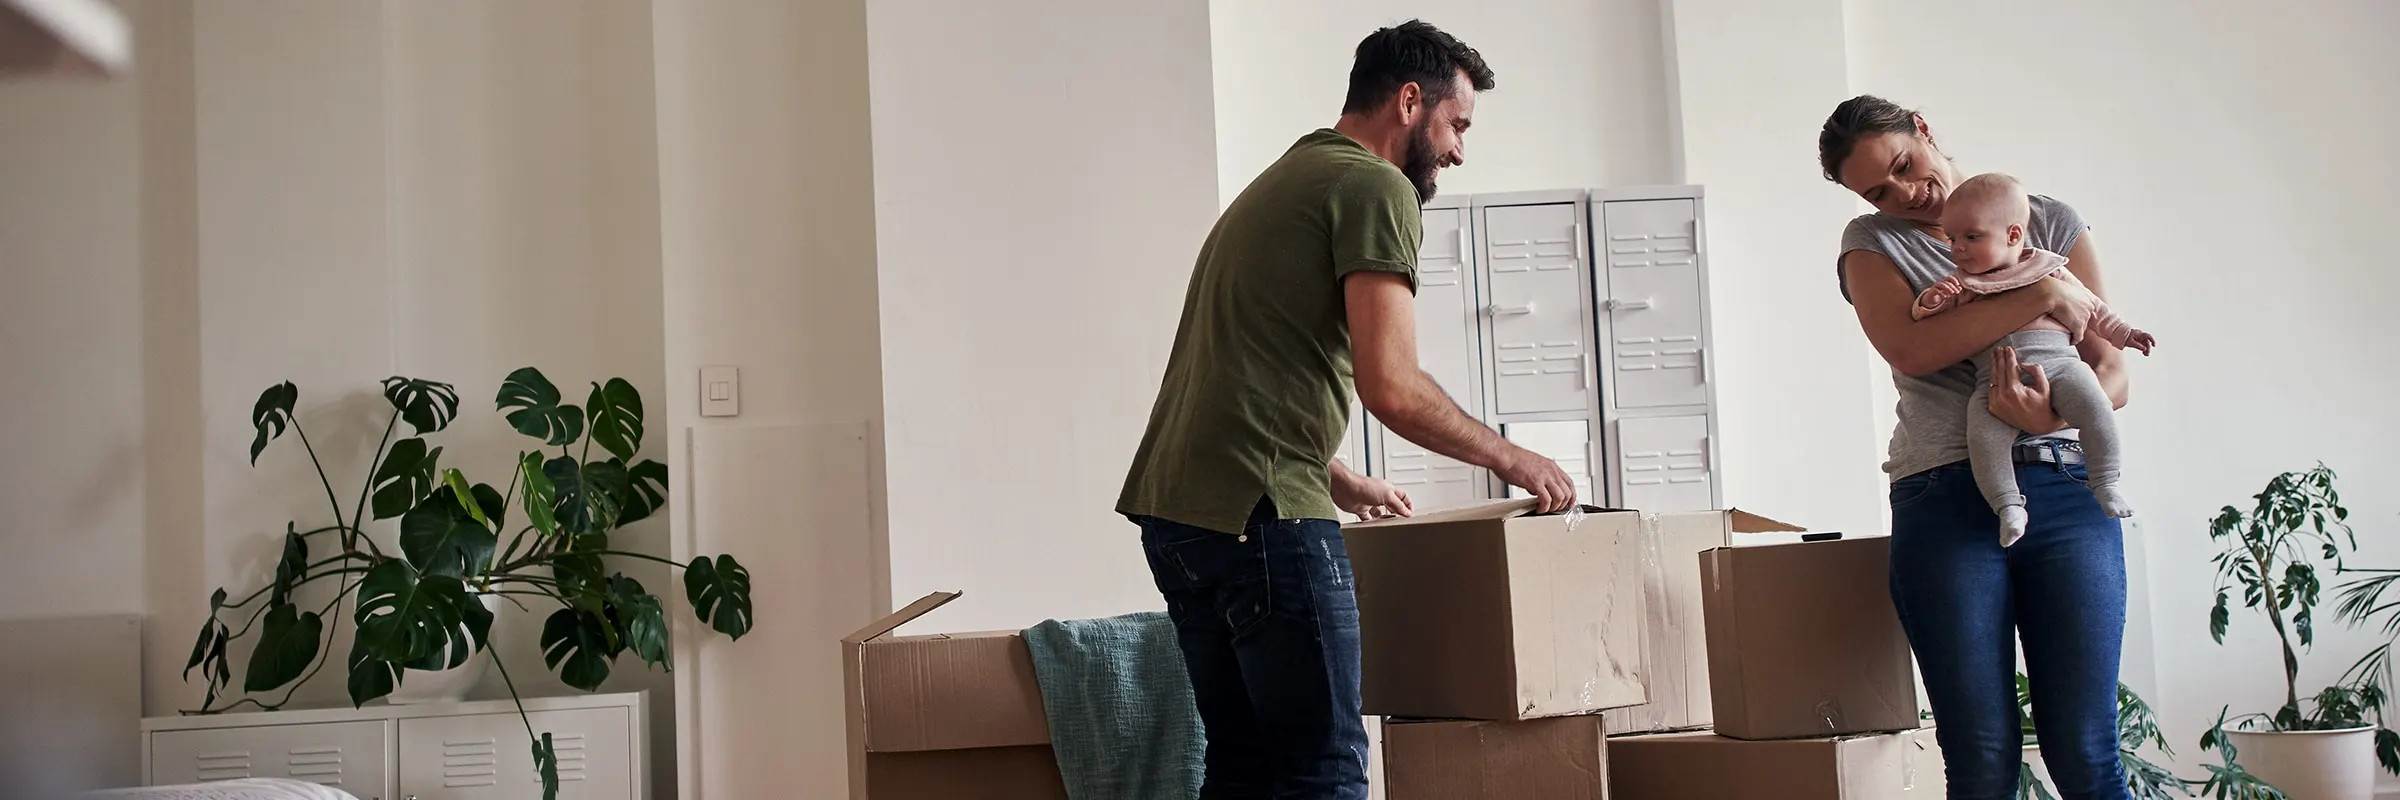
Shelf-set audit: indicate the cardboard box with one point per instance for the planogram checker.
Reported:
(1675, 641)
(1705, 766)
(1803, 640)
(1489, 612)
(1556, 758)
(945, 715)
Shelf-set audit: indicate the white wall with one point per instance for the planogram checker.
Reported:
(1754, 80)
(769, 265)
(1043, 179)
(2233, 161)
(1581, 100)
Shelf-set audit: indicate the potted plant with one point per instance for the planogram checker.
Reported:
(424, 606)
(2315, 747)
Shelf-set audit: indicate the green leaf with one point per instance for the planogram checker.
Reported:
(648, 495)
(440, 538)
(271, 415)
(584, 507)
(370, 677)
(2387, 750)
(2304, 623)
(541, 496)
(533, 408)
(720, 594)
(545, 761)
(428, 406)
(640, 618)
(575, 644)
(2219, 618)
(212, 641)
(493, 506)
(292, 568)
(616, 411)
(402, 617)
(407, 475)
(476, 622)
(286, 646)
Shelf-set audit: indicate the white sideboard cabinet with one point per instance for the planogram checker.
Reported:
(454, 751)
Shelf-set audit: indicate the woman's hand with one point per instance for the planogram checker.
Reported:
(2021, 393)
(2071, 305)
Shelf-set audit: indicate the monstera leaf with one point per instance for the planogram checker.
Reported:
(640, 620)
(534, 409)
(292, 568)
(428, 406)
(576, 644)
(440, 537)
(647, 492)
(720, 593)
(404, 617)
(541, 496)
(370, 677)
(545, 761)
(286, 646)
(583, 507)
(409, 471)
(616, 411)
(271, 415)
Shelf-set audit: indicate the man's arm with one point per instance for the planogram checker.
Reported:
(1383, 337)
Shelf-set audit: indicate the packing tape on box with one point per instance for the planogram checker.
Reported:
(1653, 716)
(1908, 761)
(1574, 516)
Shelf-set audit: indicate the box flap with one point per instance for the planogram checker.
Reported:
(879, 628)
(1490, 510)
(1746, 522)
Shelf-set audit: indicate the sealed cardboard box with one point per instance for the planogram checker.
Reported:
(1555, 758)
(1675, 639)
(1491, 612)
(1705, 766)
(945, 715)
(1803, 640)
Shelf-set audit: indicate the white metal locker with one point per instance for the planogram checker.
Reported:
(1664, 463)
(1448, 348)
(485, 757)
(1534, 282)
(1568, 442)
(351, 756)
(1652, 294)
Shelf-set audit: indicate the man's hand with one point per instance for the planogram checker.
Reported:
(1368, 497)
(1536, 473)
(2021, 394)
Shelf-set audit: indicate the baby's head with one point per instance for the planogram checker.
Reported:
(1986, 218)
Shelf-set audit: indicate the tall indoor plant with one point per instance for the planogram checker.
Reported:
(2320, 746)
(418, 605)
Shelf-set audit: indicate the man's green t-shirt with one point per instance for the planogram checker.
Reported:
(1257, 391)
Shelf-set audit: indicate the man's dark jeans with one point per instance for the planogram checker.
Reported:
(1269, 629)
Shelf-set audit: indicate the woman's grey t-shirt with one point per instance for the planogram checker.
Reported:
(1933, 409)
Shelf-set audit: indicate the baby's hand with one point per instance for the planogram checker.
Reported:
(2141, 340)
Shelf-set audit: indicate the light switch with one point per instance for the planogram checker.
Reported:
(720, 391)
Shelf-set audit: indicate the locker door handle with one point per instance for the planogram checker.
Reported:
(1587, 371)
(1508, 311)
(1615, 304)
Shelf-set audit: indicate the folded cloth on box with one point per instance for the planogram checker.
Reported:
(1122, 718)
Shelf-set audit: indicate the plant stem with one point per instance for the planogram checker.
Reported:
(313, 461)
(2262, 553)
(304, 582)
(358, 513)
(532, 559)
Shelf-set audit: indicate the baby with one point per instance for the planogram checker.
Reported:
(1986, 218)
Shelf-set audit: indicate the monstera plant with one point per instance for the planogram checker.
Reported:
(417, 605)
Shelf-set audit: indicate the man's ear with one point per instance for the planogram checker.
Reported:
(1410, 102)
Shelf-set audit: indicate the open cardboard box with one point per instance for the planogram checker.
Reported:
(1705, 766)
(1492, 612)
(946, 715)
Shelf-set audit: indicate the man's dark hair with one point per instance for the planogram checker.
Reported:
(1412, 52)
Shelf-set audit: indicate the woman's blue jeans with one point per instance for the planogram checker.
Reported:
(1966, 602)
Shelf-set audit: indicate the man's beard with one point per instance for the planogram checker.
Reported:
(1420, 163)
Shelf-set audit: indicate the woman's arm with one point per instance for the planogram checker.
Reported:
(1882, 300)
(2107, 360)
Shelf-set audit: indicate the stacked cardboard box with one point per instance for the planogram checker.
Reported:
(1493, 638)
(1810, 687)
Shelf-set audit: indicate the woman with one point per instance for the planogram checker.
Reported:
(1963, 599)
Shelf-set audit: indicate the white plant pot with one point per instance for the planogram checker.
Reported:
(2311, 765)
(426, 686)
